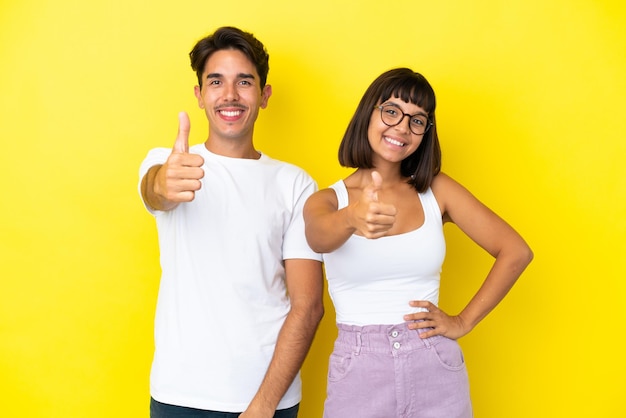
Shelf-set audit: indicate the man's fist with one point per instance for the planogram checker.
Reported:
(178, 179)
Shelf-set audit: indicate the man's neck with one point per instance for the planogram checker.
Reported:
(232, 148)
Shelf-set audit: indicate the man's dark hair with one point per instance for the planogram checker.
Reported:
(229, 37)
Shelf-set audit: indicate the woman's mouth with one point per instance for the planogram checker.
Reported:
(394, 141)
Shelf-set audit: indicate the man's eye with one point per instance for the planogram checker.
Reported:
(214, 82)
(244, 82)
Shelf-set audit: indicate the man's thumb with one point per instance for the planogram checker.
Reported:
(182, 139)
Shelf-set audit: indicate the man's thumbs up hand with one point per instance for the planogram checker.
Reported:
(179, 178)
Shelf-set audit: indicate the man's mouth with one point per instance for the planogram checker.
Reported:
(230, 113)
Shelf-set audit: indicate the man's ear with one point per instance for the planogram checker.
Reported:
(265, 95)
(197, 91)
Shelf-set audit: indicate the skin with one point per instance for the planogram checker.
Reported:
(381, 203)
(231, 97)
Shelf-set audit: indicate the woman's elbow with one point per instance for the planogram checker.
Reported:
(524, 255)
(316, 243)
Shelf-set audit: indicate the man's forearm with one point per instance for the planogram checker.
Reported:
(294, 341)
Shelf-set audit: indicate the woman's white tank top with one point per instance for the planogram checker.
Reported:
(371, 281)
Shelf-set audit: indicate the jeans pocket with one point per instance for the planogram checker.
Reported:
(339, 365)
(449, 353)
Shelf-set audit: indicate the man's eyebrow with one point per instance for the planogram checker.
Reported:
(240, 75)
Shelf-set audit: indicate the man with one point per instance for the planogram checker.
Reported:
(240, 296)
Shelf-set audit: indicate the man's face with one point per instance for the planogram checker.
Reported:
(231, 95)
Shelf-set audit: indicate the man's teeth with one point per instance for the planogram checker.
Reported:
(230, 112)
(394, 142)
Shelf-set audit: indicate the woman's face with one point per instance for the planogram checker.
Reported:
(395, 143)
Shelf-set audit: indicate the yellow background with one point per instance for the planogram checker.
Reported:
(531, 117)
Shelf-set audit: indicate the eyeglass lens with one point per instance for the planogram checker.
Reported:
(392, 116)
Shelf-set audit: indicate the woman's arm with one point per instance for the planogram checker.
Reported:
(495, 236)
(328, 228)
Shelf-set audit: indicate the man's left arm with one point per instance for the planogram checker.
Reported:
(305, 286)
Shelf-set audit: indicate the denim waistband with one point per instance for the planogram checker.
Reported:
(383, 338)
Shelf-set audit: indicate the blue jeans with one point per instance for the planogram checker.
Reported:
(162, 410)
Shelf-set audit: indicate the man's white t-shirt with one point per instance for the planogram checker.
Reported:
(222, 297)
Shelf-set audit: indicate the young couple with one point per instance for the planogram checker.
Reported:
(242, 237)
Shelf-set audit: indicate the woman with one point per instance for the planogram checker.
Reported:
(381, 233)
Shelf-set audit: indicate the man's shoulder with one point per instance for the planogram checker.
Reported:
(285, 166)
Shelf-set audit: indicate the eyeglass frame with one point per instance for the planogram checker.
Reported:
(428, 125)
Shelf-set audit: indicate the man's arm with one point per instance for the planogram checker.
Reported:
(305, 286)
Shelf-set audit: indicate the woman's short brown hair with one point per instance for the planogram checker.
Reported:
(403, 83)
